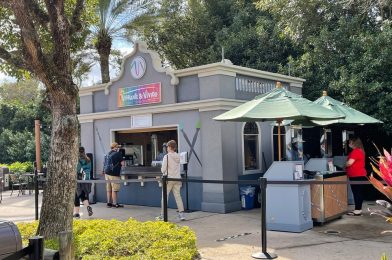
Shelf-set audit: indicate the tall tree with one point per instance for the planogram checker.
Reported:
(38, 37)
(190, 33)
(113, 18)
(345, 47)
(20, 104)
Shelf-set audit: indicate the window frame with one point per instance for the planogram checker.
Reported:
(259, 151)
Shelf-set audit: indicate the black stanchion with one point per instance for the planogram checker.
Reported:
(37, 245)
(186, 189)
(36, 192)
(164, 197)
(263, 254)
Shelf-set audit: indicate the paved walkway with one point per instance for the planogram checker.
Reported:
(237, 235)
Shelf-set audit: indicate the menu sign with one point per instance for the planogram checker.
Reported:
(139, 95)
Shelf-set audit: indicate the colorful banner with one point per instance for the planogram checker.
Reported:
(139, 95)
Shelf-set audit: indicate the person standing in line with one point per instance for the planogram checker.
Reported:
(355, 168)
(83, 189)
(112, 189)
(171, 168)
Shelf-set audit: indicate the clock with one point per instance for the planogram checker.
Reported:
(138, 67)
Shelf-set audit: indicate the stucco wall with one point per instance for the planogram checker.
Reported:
(217, 86)
(188, 89)
(101, 102)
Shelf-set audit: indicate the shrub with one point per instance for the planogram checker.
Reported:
(114, 239)
(19, 167)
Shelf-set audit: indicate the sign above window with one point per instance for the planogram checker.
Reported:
(139, 95)
(138, 67)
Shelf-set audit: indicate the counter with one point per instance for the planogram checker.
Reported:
(288, 205)
(328, 201)
(140, 172)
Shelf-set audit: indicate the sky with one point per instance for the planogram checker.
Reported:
(94, 77)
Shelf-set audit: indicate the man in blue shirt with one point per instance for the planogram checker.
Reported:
(113, 188)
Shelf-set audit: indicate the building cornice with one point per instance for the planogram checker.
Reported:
(85, 91)
(220, 68)
(200, 105)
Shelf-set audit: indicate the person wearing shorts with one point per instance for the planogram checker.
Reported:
(112, 188)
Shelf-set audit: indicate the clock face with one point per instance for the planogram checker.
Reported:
(138, 67)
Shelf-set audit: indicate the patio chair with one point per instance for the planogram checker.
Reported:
(18, 182)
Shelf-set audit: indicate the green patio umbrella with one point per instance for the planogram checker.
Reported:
(278, 104)
(352, 116)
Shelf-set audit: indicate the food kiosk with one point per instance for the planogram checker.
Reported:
(148, 104)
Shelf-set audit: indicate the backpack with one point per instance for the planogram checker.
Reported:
(108, 164)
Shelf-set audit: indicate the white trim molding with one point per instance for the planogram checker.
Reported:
(226, 68)
(85, 91)
(200, 105)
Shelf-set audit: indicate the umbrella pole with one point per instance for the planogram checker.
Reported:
(279, 142)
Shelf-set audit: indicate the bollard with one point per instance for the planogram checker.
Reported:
(37, 248)
(263, 254)
(164, 197)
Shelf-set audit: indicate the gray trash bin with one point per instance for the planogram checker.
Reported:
(10, 238)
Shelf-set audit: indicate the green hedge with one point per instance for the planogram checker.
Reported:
(19, 167)
(114, 239)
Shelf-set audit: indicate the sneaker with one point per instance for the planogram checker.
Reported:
(109, 205)
(159, 218)
(90, 211)
(181, 216)
(76, 215)
(118, 206)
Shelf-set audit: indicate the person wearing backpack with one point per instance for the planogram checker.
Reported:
(82, 189)
(112, 169)
(171, 168)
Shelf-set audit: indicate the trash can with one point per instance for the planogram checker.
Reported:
(247, 194)
(10, 238)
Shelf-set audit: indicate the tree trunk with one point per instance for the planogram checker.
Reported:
(104, 61)
(104, 46)
(57, 204)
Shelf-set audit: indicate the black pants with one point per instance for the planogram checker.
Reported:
(358, 191)
(82, 197)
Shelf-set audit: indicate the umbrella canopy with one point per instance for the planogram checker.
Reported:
(352, 116)
(278, 104)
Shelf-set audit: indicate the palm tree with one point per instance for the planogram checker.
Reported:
(114, 16)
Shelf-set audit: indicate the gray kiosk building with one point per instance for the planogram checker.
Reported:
(147, 105)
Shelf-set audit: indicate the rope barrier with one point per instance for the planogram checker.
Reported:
(255, 182)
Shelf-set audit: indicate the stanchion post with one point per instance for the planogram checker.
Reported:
(263, 254)
(186, 187)
(164, 197)
(36, 191)
(37, 245)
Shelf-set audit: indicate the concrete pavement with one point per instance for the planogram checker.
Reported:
(237, 235)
